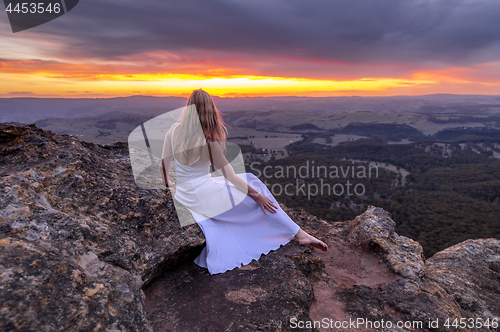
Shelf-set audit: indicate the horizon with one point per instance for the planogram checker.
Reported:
(236, 97)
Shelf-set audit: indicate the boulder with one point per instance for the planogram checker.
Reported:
(78, 238)
(374, 231)
(470, 272)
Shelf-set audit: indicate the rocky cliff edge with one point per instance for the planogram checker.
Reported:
(84, 249)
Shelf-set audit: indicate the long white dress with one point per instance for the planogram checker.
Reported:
(234, 235)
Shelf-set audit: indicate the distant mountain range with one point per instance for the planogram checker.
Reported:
(29, 110)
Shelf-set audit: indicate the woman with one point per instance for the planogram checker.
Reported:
(241, 219)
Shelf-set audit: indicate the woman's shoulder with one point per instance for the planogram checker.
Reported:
(172, 127)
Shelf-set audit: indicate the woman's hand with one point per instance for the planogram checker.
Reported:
(264, 202)
(170, 183)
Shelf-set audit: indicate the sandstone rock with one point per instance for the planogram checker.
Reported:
(78, 238)
(81, 245)
(470, 272)
(374, 230)
(349, 282)
(262, 296)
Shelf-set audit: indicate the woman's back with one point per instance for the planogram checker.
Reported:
(197, 156)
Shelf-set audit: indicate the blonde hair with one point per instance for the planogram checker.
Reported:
(204, 124)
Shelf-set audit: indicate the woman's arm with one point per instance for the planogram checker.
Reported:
(222, 165)
(164, 170)
(166, 159)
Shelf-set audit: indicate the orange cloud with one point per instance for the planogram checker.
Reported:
(170, 74)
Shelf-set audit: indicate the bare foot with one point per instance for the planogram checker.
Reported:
(307, 239)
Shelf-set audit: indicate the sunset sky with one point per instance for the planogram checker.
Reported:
(256, 48)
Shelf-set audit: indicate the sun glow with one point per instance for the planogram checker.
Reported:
(83, 84)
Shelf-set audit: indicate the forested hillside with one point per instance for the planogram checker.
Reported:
(452, 191)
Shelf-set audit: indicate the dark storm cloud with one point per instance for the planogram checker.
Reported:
(454, 32)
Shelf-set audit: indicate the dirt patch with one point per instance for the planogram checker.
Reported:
(349, 267)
